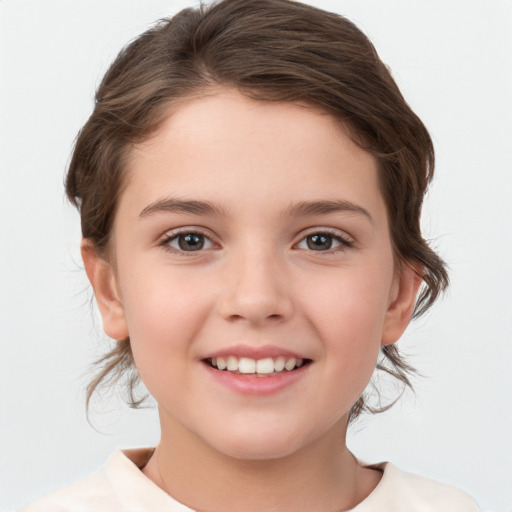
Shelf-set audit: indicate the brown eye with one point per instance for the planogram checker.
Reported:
(189, 242)
(324, 241)
(319, 242)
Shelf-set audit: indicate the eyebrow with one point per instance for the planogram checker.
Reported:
(171, 204)
(301, 209)
(309, 208)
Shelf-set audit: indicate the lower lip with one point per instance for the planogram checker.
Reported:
(250, 385)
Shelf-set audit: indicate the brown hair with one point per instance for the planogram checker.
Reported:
(276, 50)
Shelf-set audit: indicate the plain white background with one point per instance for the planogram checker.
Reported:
(453, 62)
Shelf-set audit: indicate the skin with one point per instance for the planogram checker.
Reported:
(255, 282)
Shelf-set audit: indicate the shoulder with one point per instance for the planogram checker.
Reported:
(86, 494)
(399, 491)
(119, 485)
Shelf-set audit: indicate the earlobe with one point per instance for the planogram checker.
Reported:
(401, 308)
(102, 279)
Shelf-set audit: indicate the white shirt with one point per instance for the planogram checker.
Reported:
(120, 486)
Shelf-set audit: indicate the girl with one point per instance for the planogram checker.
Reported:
(250, 187)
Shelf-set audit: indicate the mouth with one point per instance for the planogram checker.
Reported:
(265, 367)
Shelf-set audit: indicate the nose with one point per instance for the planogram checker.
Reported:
(254, 289)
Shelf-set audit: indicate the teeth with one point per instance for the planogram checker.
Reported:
(246, 365)
(279, 364)
(232, 364)
(290, 364)
(266, 366)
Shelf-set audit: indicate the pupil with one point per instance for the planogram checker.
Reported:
(319, 242)
(191, 242)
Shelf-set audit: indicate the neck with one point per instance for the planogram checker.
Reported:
(321, 476)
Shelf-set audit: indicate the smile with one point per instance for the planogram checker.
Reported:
(266, 367)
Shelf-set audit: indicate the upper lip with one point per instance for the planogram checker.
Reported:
(259, 352)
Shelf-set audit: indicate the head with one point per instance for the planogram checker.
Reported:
(271, 51)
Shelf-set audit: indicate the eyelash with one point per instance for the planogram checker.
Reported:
(170, 237)
(344, 241)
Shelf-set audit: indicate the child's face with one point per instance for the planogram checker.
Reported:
(252, 229)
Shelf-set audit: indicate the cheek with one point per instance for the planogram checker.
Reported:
(163, 315)
(350, 304)
(348, 315)
(159, 300)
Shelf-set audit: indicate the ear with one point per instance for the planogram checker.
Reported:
(403, 298)
(102, 278)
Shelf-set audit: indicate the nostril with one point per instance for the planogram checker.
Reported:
(255, 306)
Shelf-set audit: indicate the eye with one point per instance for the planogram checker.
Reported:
(190, 241)
(323, 241)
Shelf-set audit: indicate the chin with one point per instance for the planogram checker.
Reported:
(254, 452)
(260, 444)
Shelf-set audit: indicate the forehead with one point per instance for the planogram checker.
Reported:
(227, 145)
